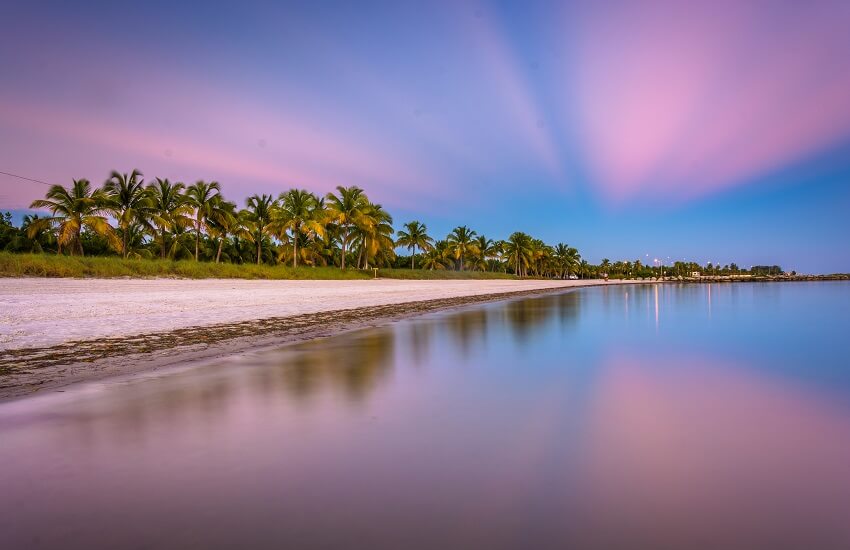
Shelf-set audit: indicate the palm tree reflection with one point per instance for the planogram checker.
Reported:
(525, 317)
(355, 365)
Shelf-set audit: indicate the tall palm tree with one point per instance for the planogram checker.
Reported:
(200, 196)
(299, 213)
(541, 255)
(518, 252)
(377, 234)
(413, 236)
(169, 208)
(346, 210)
(461, 243)
(583, 268)
(72, 210)
(260, 208)
(129, 202)
(573, 260)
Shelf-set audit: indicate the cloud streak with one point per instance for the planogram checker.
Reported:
(690, 99)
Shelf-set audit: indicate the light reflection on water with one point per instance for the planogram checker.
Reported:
(643, 416)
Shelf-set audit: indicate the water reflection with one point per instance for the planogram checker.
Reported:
(605, 418)
(467, 329)
(354, 366)
(714, 452)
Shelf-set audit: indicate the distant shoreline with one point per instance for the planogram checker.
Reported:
(106, 327)
(743, 279)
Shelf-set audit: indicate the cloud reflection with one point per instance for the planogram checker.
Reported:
(692, 450)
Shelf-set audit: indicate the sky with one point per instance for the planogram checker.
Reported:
(715, 131)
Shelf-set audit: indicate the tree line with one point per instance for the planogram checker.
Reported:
(170, 220)
(128, 217)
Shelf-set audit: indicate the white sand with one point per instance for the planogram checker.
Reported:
(42, 312)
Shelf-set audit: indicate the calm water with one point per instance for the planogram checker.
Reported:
(639, 417)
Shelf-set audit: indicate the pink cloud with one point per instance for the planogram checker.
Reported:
(686, 99)
(238, 145)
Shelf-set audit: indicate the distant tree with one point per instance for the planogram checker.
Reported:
(462, 243)
(299, 213)
(201, 197)
(260, 213)
(413, 236)
(170, 208)
(347, 210)
(129, 201)
(518, 251)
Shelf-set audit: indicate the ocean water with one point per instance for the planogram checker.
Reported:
(645, 416)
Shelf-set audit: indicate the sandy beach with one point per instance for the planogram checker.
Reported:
(59, 331)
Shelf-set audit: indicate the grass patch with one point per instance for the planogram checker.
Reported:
(439, 274)
(51, 265)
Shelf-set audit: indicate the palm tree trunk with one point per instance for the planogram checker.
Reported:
(259, 246)
(124, 242)
(197, 237)
(294, 249)
(413, 259)
(342, 260)
(163, 243)
(220, 245)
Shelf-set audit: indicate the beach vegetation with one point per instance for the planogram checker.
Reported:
(128, 228)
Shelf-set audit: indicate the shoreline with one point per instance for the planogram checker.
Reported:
(32, 370)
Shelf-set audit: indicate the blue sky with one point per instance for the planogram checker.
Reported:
(713, 131)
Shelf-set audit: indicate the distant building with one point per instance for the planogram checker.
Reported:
(695, 274)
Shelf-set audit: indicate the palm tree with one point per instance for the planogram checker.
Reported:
(376, 232)
(128, 201)
(567, 259)
(226, 221)
(573, 260)
(260, 208)
(200, 196)
(413, 236)
(487, 249)
(605, 265)
(40, 237)
(72, 210)
(436, 257)
(135, 246)
(169, 208)
(181, 242)
(461, 243)
(584, 268)
(518, 252)
(347, 210)
(299, 213)
(540, 254)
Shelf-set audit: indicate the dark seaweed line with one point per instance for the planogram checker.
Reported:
(17, 361)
